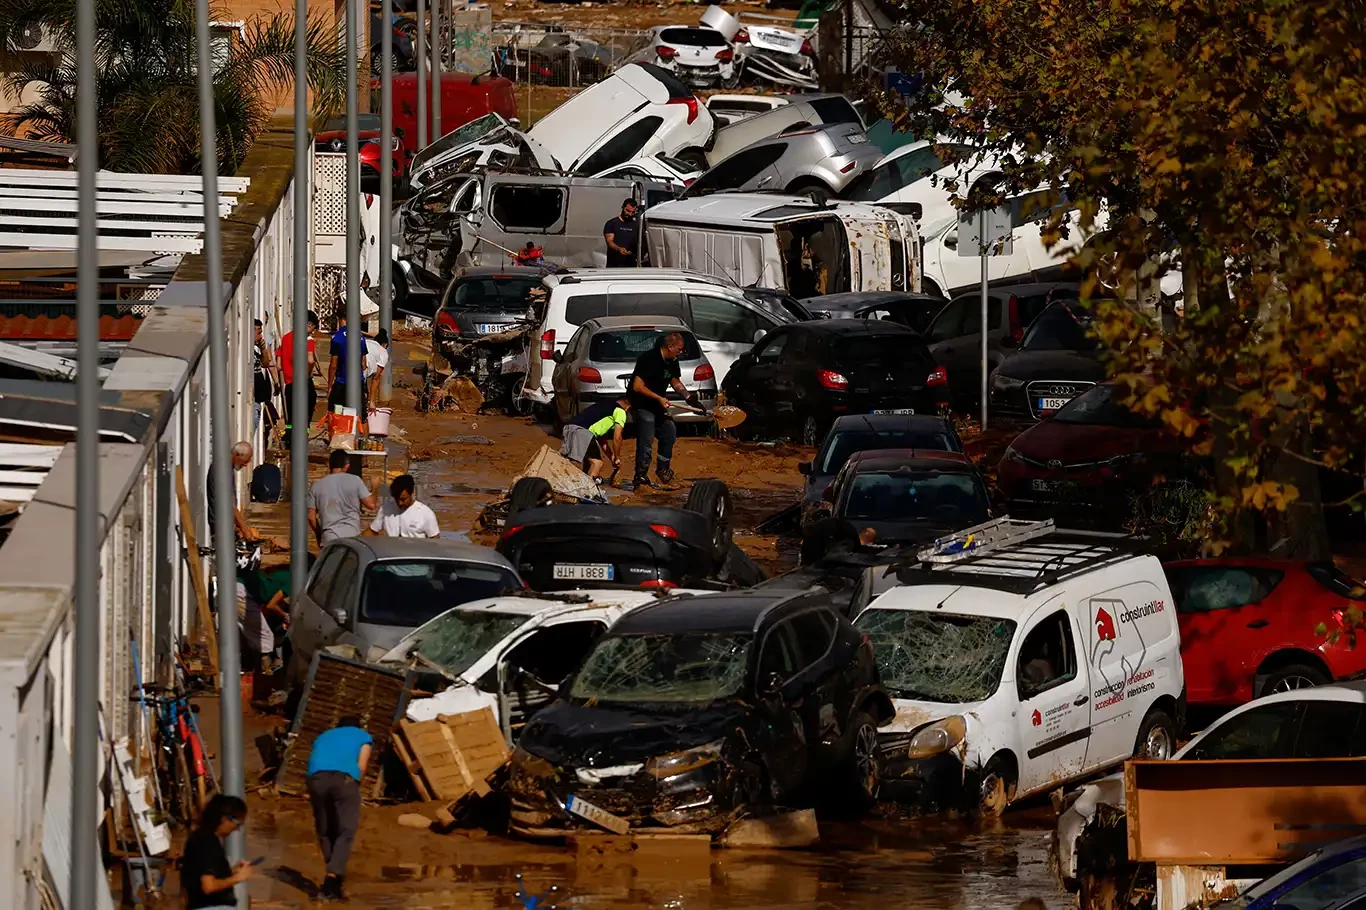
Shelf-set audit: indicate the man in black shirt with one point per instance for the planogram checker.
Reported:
(623, 237)
(656, 371)
(206, 878)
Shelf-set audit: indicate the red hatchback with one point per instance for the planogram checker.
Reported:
(1250, 627)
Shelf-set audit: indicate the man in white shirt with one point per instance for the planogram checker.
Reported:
(376, 361)
(403, 515)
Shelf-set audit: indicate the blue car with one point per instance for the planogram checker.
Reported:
(1333, 878)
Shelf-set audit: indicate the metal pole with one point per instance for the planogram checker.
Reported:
(386, 194)
(303, 379)
(983, 251)
(354, 343)
(224, 542)
(422, 75)
(437, 131)
(85, 795)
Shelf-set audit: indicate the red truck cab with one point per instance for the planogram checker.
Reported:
(463, 98)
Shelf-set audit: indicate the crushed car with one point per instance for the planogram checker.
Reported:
(782, 56)
(691, 710)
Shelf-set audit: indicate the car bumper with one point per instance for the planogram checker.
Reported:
(641, 560)
(932, 783)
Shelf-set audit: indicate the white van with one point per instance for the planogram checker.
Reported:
(1021, 657)
(771, 240)
(726, 321)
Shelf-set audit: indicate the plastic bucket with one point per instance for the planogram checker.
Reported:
(379, 421)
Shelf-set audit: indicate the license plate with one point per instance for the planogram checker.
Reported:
(491, 328)
(1048, 486)
(894, 410)
(856, 138)
(577, 571)
(1052, 404)
(614, 823)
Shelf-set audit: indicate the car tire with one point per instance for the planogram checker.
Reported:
(1156, 736)
(863, 772)
(711, 499)
(527, 493)
(696, 157)
(1291, 677)
(519, 405)
(814, 190)
(996, 789)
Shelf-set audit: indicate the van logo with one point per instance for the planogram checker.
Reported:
(1105, 625)
(1035, 718)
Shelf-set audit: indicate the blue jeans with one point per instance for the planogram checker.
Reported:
(650, 425)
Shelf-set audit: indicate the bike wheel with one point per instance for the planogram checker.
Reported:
(183, 799)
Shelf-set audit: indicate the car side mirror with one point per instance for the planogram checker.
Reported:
(951, 239)
(557, 356)
(745, 359)
(771, 687)
(759, 335)
(340, 616)
(804, 467)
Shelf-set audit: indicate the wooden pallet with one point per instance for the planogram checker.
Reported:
(451, 756)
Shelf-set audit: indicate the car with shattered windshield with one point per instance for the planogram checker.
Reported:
(1020, 657)
(693, 708)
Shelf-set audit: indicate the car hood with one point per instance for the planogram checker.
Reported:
(911, 714)
(578, 736)
(1078, 443)
(1031, 365)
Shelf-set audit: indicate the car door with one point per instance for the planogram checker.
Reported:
(1227, 627)
(564, 378)
(619, 148)
(824, 706)
(535, 663)
(340, 608)
(960, 353)
(1331, 729)
(725, 328)
(760, 376)
(786, 389)
(1053, 721)
(306, 618)
(781, 733)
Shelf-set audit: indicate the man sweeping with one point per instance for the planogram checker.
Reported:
(586, 440)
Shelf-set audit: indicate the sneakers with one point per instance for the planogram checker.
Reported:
(331, 889)
(639, 483)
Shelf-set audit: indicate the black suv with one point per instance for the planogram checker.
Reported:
(799, 378)
(1057, 361)
(695, 706)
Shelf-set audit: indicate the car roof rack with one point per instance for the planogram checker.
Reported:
(1014, 555)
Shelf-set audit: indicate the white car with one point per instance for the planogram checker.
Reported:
(728, 109)
(488, 142)
(700, 56)
(1020, 657)
(639, 110)
(779, 55)
(509, 653)
(1315, 723)
(916, 173)
(660, 168)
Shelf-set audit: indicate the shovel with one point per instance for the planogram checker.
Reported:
(725, 415)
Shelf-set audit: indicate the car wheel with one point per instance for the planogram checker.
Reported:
(1292, 677)
(518, 405)
(1156, 737)
(812, 189)
(865, 762)
(811, 431)
(376, 62)
(997, 789)
(711, 499)
(528, 493)
(695, 157)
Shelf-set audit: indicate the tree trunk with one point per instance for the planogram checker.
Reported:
(830, 59)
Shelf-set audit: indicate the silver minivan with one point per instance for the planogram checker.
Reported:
(598, 362)
(369, 592)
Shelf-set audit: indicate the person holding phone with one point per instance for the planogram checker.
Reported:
(207, 878)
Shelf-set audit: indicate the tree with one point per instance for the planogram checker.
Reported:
(147, 93)
(1224, 138)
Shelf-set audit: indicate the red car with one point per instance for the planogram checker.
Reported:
(463, 98)
(332, 138)
(1250, 627)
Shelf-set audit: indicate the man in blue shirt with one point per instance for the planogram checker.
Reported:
(335, 769)
(336, 369)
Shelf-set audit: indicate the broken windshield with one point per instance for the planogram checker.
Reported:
(457, 639)
(940, 657)
(697, 667)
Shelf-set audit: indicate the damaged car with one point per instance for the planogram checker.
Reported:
(781, 56)
(692, 709)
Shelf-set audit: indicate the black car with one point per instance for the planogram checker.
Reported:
(799, 378)
(1057, 361)
(483, 301)
(560, 547)
(915, 311)
(859, 432)
(692, 708)
(903, 496)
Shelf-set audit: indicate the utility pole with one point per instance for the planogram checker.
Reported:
(354, 343)
(437, 131)
(303, 380)
(386, 194)
(422, 75)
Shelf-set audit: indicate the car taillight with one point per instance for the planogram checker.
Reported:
(807, 49)
(447, 322)
(1016, 330)
(832, 380)
(741, 36)
(512, 530)
(547, 344)
(588, 374)
(704, 373)
(691, 102)
(848, 167)
(689, 181)
(665, 531)
(1340, 617)
(659, 584)
(664, 52)
(938, 376)
(725, 55)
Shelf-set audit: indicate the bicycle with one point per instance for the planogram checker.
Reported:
(182, 765)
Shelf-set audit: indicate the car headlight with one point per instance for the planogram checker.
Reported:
(1006, 383)
(677, 762)
(938, 737)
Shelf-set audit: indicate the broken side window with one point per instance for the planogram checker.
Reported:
(1048, 656)
(527, 207)
(694, 667)
(939, 657)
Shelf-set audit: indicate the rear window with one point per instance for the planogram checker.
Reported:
(670, 82)
(836, 110)
(580, 309)
(493, 294)
(410, 592)
(740, 107)
(865, 349)
(625, 346)
(1060, 328)
(697, 37)
(847, 442)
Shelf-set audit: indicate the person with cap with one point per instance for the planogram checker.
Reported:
(623, 237)
(585, 437)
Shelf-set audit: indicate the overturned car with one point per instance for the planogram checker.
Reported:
(693, 708)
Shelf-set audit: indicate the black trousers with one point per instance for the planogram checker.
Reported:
(312, 402)
(336, 816)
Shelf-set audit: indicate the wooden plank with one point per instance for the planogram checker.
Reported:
(469, 780)
(410, 764)
(201, 589)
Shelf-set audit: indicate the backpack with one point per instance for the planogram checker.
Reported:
(265, 483)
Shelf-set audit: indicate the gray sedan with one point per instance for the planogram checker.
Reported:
(601, 356)
(819, 161)
(369, 592)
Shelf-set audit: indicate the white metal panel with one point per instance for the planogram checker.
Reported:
(163, 183)
(14, 199)
(50, 241)
(57, 831)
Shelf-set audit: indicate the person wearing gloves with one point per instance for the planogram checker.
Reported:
(656, 372)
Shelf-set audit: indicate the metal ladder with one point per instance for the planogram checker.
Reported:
(984, 538)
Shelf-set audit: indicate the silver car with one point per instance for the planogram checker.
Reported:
(598, 362)
(369, 592)
(816, 161)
